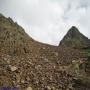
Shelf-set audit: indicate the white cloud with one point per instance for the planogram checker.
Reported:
(48, 20)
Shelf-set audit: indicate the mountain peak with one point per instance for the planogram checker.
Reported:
(73, 29)
(74, 38)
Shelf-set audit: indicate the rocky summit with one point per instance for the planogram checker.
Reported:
(75, 39)
(26, 64)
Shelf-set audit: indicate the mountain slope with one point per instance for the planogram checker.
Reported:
(75, 39)
(13, 39)
(29, 65)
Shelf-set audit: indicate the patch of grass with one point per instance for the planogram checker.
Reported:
(83, 81)
(86, 52)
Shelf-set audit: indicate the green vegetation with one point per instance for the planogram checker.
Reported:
(85, 52)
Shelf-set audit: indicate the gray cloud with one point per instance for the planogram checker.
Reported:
(48, 20)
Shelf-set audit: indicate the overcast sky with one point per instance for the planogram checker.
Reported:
(48, 20)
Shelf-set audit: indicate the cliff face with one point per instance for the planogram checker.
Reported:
(75, 39)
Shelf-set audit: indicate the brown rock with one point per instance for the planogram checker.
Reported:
(13, 68)
(29, 88)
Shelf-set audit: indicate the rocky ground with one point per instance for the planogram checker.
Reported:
(26, 64)
(30, 72)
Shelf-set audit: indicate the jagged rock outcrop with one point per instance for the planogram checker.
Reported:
(75, 39)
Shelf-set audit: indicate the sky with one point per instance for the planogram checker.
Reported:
(47, 21)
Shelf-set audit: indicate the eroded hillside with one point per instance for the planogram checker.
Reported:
(29, 65)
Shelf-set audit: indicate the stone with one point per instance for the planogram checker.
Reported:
(48, 88)
(29, 88)
(13, 68)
